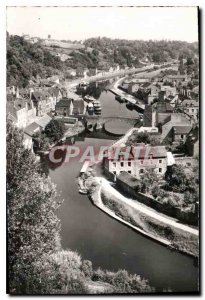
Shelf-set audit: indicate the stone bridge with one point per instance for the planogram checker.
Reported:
(98, 120)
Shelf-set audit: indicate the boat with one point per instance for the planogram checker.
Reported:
(83, 191)
(118, 98)
(98, 112)
(96, 103)
(90, 108)
(130, 106)
(88, 98)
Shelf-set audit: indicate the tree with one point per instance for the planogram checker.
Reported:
(33, 227)
(55, 130)
(87, 268)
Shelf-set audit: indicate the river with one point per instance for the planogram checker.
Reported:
(108, 243)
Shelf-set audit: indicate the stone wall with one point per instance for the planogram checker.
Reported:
(190, 218)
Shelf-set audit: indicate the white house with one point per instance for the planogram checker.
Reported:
(136, 160)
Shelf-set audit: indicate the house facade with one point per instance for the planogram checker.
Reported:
(21, 111)
(64, 107)
(191, 107)
(141, 158)
(181, 132)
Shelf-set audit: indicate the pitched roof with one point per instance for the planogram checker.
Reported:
(163, 107)
(182, 129)
(140, 151)
(64, 102)
(43, 121)
(32, 128)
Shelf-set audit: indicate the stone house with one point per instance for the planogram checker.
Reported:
(136, 160)
(64, 107)
(21, 111)
(43, 102)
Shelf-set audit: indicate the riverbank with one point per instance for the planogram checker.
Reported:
(167, 234)
(72, 131)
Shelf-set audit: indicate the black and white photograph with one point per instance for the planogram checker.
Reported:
(102, 150)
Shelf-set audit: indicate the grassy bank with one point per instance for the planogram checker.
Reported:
(179, 239)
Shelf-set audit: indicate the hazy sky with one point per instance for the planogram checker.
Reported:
(78, 23)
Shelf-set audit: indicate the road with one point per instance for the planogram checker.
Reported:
(145, 209)
(107, 75)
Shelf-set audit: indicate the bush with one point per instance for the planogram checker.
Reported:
(87, 268)
(55, 130)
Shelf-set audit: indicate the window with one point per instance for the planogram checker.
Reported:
(182, 136)
(192, 110)
(142, 162)
(114, 164)
(129, 172)
(129, 163)
(160, 170)
(141, 171)
(160, 161)
(122, 164)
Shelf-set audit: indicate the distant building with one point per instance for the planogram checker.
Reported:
(79, 107)
(175, 79)
(192, 142)
(43, 102)
(191, 107)
(64, 107)
(180, 132)
(21, 112)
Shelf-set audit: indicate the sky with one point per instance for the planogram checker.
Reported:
(79, 23)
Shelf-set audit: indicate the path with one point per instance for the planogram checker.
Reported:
(146, 210)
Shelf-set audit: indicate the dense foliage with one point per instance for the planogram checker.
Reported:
(26, 61)
(143, 137)
(36, 262)
(54, 130)
(131, 51)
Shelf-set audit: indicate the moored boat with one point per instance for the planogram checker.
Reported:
(83, 191)
(89, 98)
(90, 108)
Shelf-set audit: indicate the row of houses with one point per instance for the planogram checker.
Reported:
(139, 158)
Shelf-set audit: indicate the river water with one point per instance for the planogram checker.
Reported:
(108, 243)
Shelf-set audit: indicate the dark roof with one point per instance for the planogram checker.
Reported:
(163, 107)
(78, 106)
(140, 151)
(183, 129)
(147, 117)
(64, 102)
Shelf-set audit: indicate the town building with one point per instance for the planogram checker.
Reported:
(180, 132)
(21, 112)
(43, 102)
(175, 79)
(64, 107)
(138, 159)
(191, 107)
(192, 142)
